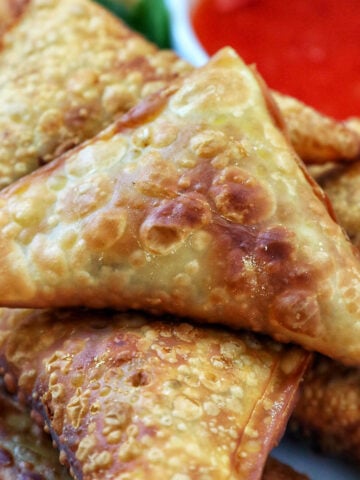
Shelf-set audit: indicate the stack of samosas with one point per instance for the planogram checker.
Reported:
(169, 265)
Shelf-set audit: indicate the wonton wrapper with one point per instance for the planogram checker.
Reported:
(328, 412)
(67, 69)
(128, 397)
(193, 204)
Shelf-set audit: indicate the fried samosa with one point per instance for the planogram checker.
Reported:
(67, 69)
(192, 204)
(317, 138)
(26, 452)
(342, 185)
(126, 396)
(328, 411)
(10, 12)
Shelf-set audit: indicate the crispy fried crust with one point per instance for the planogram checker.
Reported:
(342, 185)
(67, 69)
(85, 69)
(192, 204)
(328, 411)
(316, 137)
(10, 13)
(26, 452)
(128, 397)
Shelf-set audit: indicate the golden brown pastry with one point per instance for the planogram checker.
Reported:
(10, 12)
(354, 124)
(129, 397)
(317, 138)
(342, 185)
(67, 69)
(328, 411)
(26, 452)
(193, 204)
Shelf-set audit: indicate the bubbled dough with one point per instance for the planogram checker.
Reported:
(195, 204)
(129, 397)
(68, 68)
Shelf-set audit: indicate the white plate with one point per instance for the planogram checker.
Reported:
(292, 452)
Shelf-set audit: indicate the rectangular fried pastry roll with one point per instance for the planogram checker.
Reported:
(192, 204)
(68, 68)
(129, 397)
(328, 410)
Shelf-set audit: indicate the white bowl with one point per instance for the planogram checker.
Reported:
(183, 37)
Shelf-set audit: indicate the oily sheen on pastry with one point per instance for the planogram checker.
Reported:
(342, 185)
(318, 138)
(192, 204)
(69, 68)
(328, 411)
(132, 397)
(26, 452)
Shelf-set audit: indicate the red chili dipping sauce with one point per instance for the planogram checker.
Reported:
(309, 49)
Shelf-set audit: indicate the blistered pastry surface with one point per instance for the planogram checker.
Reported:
(328, 410)
(317, 138)
(192, 204)
(26, 452)
(342, 185)
(68, 68)
(129, 397)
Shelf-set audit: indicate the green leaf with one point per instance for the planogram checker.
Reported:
(149, 17)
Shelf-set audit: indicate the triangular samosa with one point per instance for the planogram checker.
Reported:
(342, 185)
(26, 452)
(328, 410)
(195, 204)
(127, 396)
(69, 68)
(316, 137)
